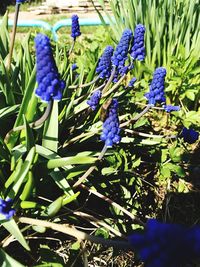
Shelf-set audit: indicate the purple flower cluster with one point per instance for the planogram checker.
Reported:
(138, 50)
(74, 67)
(6, 208)
(166, 245)
(94, 99)
(75, 30)
(120, 55)
(169, 108)
(156, 89)
(49, 84)
(189, 135)
(20, 1)
(131, 82)
(111, 128)
(104, 65)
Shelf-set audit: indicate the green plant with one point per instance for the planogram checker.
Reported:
(46, 169)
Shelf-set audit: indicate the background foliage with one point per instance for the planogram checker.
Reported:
(146, 175)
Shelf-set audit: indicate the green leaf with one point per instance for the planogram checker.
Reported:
(68, 200)
(190, 94)
(108, 170)
(39, 229)
(165, 171)
(176, 153)
(22, 174)
(140, 122)
(28, 205)
(4, 36)
(8, 261)
(54, 207)
(62, 182)
(28, 188)
(50, 135)
(13, 229)
(62, 162)
(7, 111)
(102, 232)
(30, 142)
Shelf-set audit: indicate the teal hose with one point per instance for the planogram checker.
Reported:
(53, 29)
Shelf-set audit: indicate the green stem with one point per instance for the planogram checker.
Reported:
(72, 47)
(115, 86)
(34, 124)
(84, 85)
(109, 80)
(17, 7)
(137, 117)
(91, 169)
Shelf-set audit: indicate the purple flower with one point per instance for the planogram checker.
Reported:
(169, 108)
(189, 135)
(156, 89)
(104, 64)
(94, 99)
(120, 55)
(166, 245)
(111, 128)
(6, 208)
(75, 30)
(131, 82)
(74, 67)
(50, 86)
(20, 1)
(138, 50)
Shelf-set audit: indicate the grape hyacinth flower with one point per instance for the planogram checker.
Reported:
(169, 108)
(74, 67)
(94, 99)
(20, 1)
(120, 55)
(50, 86)
(156, 92)
(6, 208)
(111, 128)
(104, 64)
(131, 82)
(166, 245)
(189, 135)
(75, 30)
(138, 49)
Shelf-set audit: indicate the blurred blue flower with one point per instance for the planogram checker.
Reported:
(189, 135)
(20, 1)
(166, 245)
(138, 49)
(94, 99)
(104, 65)
(169, 108)
(75, 30)
(6, 208)
(49, 84)
(131, 82)
(111, 128)
(74, 67)
(156, 88)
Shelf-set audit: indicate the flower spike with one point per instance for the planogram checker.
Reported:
(111, 128)
(138, 50)
(6, 208)
(75, 30)
(50, 86)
